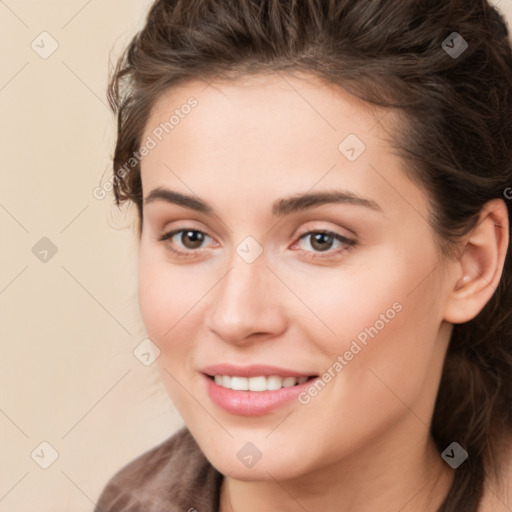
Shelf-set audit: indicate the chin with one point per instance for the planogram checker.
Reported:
(273, 464)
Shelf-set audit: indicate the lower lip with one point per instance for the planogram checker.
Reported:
(252, 403)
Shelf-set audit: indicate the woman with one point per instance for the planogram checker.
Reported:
(323, 192)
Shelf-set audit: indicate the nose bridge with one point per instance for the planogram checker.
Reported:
(243, 302)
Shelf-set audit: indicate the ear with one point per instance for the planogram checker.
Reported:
(479, 268)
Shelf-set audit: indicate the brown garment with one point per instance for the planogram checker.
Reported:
(174, 476)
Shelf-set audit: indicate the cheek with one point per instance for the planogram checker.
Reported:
(155, 302)
(383, 320)
(383, 366)
(357, 303)
(165, 290)
(165, 294)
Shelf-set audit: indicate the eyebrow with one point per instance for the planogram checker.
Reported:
(280, 208)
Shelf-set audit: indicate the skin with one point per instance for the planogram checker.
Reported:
(363, 442)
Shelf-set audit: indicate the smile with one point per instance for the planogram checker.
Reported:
(259, 383)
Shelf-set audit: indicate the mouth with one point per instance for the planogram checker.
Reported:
(258, 383)
(253, 390)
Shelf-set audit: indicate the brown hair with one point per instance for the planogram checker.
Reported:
(457, 140)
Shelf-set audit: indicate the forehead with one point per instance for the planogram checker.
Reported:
(269, 132)
(268, 104)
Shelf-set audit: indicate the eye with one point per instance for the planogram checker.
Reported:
(323, 241)
(191, 239)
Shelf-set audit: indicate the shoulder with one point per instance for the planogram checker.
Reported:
(174, 475)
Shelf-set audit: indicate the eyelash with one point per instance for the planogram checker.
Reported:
(348, 244)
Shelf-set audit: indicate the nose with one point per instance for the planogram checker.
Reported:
(246, 303)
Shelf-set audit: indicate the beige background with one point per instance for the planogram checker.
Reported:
(68, 325)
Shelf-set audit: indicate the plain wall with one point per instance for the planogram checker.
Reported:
(69, 321)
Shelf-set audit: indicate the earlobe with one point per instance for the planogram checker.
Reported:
(480, 265)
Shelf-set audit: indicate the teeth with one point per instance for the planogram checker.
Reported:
(288, 382)
(239, 383)
(274, 382)
(260, 383)
(257, 383)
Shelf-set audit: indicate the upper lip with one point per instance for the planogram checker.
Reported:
(253, 370)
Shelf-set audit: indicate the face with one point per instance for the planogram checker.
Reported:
(247, 280)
